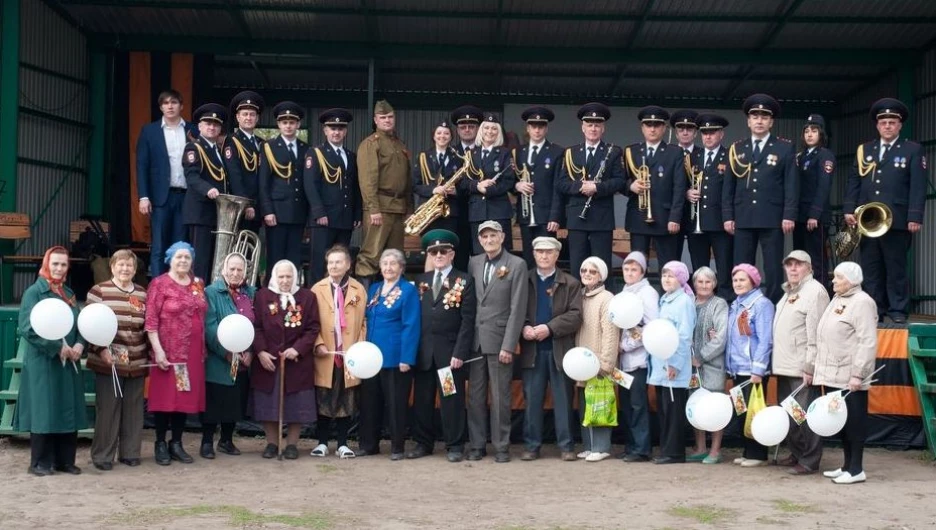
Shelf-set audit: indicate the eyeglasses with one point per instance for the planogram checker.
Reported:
(588, 271)
(438, 251)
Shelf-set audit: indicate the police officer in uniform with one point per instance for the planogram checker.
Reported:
(283, 201)
(540, 159)
(205, 178)
(589, 205)
(666, 166)
(893, 171)
(760, 203)
(466, 118)
(448, 304)
(711, 160)
(684, 123)
(816, 165)
(488, 181)
(242, 155)
(386, 190)
(331, 188)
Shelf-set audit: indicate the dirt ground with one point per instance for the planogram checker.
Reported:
(324, 493)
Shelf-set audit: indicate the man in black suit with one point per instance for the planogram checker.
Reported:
(331, 187)
(448, 302)
(242, 155)
(591, 174)
(660, 221)
(540, 159)
(206, 179)
(761, 200)
(893, 171)
(283, 201)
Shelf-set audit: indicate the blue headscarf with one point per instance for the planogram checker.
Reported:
(177, 246)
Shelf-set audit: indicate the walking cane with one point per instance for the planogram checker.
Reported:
(282, 388)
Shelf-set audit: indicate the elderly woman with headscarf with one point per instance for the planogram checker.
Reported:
(633, 360)
(671, 376)
(601, 336)
(341, 300)
(287, 326)
(50, 406)
(175, 324)
(226, 378)
(750, 342)
(844, 359)
(393, 323)
(708, 353)
(118, 405)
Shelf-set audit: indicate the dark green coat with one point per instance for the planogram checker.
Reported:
(220, 305)
(51, 396)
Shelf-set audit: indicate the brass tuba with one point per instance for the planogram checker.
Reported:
(874, 220)
(436, 207)
(246, 242)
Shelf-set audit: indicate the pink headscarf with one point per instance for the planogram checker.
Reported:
(679, 270)
(750, 270)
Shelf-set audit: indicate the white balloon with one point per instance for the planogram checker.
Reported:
(364, 359)
(625, 310)
(694, 399)
(713, 411)
(97, 323)
(770, 426)
(51, 318)
(236, 333)
(581, 364)
(660, 338)
(823, 421)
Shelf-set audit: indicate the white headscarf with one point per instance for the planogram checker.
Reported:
(286, 299)
(851, 271)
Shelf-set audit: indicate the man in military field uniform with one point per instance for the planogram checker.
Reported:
(386, 190)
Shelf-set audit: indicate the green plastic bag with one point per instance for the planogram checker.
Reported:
(756, 403)
(600, 403)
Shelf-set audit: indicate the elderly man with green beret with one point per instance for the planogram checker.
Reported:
(386, 190)
(447, 298)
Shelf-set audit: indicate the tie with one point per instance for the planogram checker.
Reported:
(485, 153)
(291, 146)
(757, 149)
(533, 153)
(488, 269)
(441, 159)
(437, 285)
(649, 152)
(591, 155)
(884, 150)
(710, 158)
(344, 158)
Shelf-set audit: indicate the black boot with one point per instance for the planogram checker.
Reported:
(161, 452)
(176, 452)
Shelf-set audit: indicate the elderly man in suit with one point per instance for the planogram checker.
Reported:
(448, 301)
(502, 286)
(160, 177)
(553, 317)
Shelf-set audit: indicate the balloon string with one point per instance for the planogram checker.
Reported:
(117, 389)
(867, 380)
(72, 361)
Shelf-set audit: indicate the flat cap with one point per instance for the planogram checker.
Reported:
(492, 225)
(798, 255)
(546, 243)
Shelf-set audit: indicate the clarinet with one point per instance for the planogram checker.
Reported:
(596, 180)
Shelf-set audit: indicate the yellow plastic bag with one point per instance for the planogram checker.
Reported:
(755, 404)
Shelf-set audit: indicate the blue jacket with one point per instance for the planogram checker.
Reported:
(750, 355)
(395, 329)
(679, 308)
(152, 162)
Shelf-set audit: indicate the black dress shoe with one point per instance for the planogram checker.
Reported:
(161, 453)
(103, 466)
(132, 462)
(291, 452)
(669, 460)
(502, 457)
(396, 456)
(418, 452)
(366, 452)
(39, 471)
(636, 458)
(899, 319)
(455, 456)
(71, 469)
(207, 451)
(177, 452)
(475, 454)
(270, 451)
(228, 448)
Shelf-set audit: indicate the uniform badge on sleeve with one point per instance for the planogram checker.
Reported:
(308, 162)
(191, 157)
(227, 152)
(828, 166)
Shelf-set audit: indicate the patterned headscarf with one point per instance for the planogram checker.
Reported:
(55, 285)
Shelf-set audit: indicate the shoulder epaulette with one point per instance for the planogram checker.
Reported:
(782, 139)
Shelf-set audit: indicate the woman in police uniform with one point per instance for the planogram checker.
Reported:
(431, 169)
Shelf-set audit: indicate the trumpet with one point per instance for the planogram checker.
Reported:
(526, 201)
(642, 175)
(695, 181)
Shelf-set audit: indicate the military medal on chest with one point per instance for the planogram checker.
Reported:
(772, 160)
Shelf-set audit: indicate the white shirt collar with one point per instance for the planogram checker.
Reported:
(653, 146)
(689, 149)
(763, 141)
(712, 151)
(163, 124)
(445, 272)
(544, 276)
(335, 147)
(595, 145)
(538, 146)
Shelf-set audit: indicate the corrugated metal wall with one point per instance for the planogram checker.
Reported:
(51, 180)
(925, 133)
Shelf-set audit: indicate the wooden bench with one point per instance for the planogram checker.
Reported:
(13, 225)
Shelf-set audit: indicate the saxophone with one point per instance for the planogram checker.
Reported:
(436, 206)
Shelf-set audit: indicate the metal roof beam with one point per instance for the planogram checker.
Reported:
(507, 15)
(631, 39)
(518, 54)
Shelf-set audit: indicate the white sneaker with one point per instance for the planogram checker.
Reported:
(738, 461)
(835, 473)
(848, 478)
(596, 457)
(750, 462)
(320, 450)
(583, 454)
